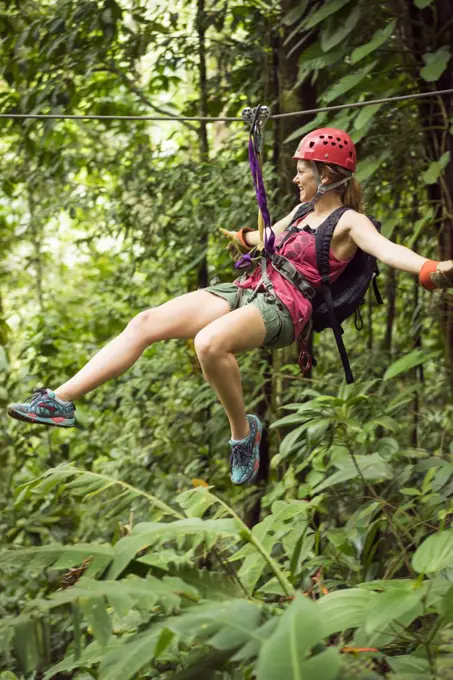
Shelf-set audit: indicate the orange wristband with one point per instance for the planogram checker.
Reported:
(428, 268)
(240, 236)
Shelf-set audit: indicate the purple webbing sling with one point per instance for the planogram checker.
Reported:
(269, 236)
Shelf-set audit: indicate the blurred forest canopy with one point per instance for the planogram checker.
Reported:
(338, 564)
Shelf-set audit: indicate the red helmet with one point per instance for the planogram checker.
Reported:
(328, 145)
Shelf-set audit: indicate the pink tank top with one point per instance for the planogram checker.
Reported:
(301, 250)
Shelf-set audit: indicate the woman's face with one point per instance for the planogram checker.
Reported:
(305, 181)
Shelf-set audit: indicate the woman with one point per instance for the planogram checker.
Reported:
(224, 322)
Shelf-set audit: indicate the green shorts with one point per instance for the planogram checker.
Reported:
(277, 320)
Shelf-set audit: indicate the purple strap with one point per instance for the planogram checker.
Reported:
(269, 236)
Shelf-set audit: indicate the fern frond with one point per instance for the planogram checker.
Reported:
(87, 484)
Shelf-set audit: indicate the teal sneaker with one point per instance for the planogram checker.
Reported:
(245, 454)
(44, 407)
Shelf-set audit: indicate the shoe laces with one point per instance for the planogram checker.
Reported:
(240, 455)
(37, 393)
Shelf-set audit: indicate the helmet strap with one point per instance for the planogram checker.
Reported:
(324, 188)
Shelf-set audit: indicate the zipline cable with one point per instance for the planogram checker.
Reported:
(207, 119)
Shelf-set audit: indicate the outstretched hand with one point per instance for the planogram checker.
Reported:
(229, 234)
(232, 246)
(443, 276)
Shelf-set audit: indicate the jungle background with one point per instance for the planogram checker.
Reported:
(126, 552)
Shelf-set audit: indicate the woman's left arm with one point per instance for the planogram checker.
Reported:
(366, 236)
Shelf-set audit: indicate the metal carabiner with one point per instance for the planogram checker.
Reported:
(256, 118)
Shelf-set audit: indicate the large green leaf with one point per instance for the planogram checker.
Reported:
(432, 174)
(226, 625)
(414, 358)
(320, 119)
(331, 38)
(367, 167)
(410, 665)
(371, 467)
(345, 609)
(127, 660)
(325, 11)
(96, 614)
(388, 226)
(295, 14)
(392, 605)
(347, 83)
(379, 38)
(365, 115)
(270, 531)
(59, 556)
(435, 553)
(285, 653)
(436, 63)
(147, 534)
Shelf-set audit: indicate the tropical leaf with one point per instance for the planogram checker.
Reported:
(148, 534)
(326, 10)
(409, 665)
(405, 363)
(295, 14)
(59, 557)
(432, 174)
(366, 115)
(367, 167)
(379, 38)
(435, 553)
(388, 226)
(371, 467)
(270, 531)
(331, 38)
(87, 484)
(347, 83)
(127, 660)
(285, 654)
(345, 609)
(228, 625)
(196, 501)
(435, 63)
(392, 605)
(95, 611)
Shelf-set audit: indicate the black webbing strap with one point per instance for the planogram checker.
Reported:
(323, 239)
(338, 332)
(377, 292)
(289, 272)
(302, 210)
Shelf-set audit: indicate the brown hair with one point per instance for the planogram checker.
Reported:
(350, 193)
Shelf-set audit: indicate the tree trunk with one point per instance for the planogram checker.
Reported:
(202, 271)
(291, 96)
(427, 30)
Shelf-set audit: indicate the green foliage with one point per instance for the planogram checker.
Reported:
(352, 548)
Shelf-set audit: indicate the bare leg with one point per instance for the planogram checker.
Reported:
(182, 317)
(215, 345)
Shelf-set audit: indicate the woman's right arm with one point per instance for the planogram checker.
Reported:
(252, 238)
